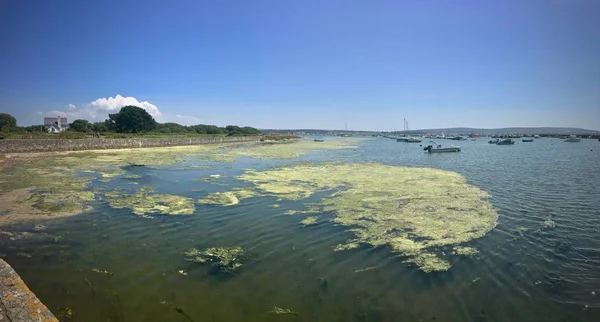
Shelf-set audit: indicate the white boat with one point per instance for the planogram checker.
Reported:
(437, 148)
(573, 138)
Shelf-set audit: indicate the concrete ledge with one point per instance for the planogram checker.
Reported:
(17, 302)
(26, 146)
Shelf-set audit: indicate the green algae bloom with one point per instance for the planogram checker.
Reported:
(428, 262)
(146, 201)
(312, 220)
(228, 198)
(220, 198)
(548, 223)
(51, 186)
(465, 251)
(281, 311)
(226, 259)
(414, 211)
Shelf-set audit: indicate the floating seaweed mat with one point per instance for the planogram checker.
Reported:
(417, 212)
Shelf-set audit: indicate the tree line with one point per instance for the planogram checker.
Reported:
(130, 119)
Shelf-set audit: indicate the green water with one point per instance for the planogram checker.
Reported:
(524, 273)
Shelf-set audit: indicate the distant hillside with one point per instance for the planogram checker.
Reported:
(462, 130)
(514, 130)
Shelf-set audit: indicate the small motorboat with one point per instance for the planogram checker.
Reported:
(493, 141)
(505, 142)
(527, 140)
(572, 138)
(412, 140)
(319, 140)
(437, 148)
(440, 149)
(400, 139)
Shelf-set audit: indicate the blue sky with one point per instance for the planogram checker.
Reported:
(306, 64)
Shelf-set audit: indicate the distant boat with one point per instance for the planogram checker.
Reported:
(573, 138)
(439, 149)
(494, 141)
(346, 135)
(505, 142)
(400, 139)
(412, 140)
(319, 140)
(457, 138)
(527, 140)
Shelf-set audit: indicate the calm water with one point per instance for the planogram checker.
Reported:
(536, 275)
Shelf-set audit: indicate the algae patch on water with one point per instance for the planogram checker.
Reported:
(417, 212)
(228, 198)
(146, 201)
(312, 220)
(56, 185)
(281, 150)
(220, 198)
(226, 259)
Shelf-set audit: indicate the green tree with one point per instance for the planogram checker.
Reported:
(236, 130)
(99, 127)
(131, 119)
(7, 122)
(80, 126)
(34, 128)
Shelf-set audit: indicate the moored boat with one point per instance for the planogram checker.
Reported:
(572, 138)
(505, 142)
(440, 149)
(412, 140)
(527, 140)
(319, 140)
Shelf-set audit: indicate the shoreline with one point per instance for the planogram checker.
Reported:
(44, 145)
(14, 212)
(9, 157)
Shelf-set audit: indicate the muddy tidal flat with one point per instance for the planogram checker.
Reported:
(349, 229)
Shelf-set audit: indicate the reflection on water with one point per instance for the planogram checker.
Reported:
(525, 272)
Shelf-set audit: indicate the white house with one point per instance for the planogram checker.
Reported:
(55, 124)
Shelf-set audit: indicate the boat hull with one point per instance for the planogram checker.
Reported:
(444, 150)
(505, 142)
(527, 140)
(573, 140)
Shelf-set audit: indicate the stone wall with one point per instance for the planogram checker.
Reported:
(24, 146)
(17, 302)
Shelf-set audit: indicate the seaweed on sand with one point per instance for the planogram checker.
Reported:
(414, 211)
(226, 259)
(52, 186)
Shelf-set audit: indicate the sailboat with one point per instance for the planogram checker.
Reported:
(346, 134)
(409, 139)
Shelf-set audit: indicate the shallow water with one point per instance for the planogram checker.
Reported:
(525, 273)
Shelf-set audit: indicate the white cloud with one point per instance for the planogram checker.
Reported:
(99, 109)
(186, 119)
